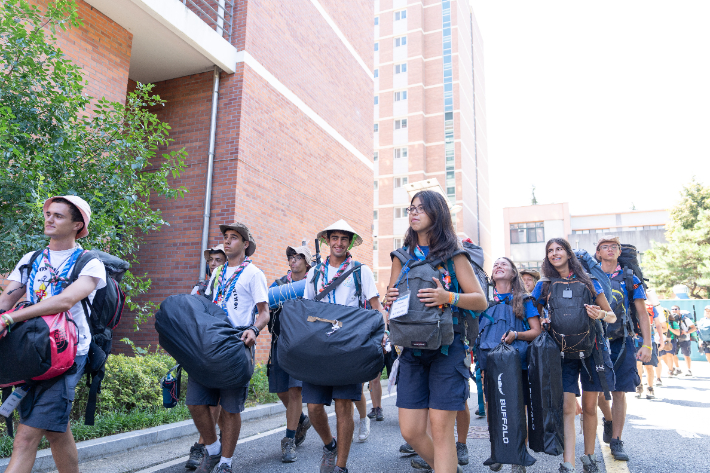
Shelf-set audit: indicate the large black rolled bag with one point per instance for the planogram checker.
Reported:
(310, 349)
(199, 336)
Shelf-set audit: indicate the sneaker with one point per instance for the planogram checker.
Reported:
(659, 382)
(380, 415)
(462, 453)
(517, 469)
(364, 430)
(639, 390)
(495, 466)
(327, 461)
(208, 461)
(480, 413)
(222, 468)
(373, 413)
(288, 450)
(589, 464)
(195, 456)
(649, 393)
(337, 469)
(301, 431)
(607, 430)
(617, 450)
(689, 373)
(418, 463)
(566, 467)
(672, 373)
(406, 449)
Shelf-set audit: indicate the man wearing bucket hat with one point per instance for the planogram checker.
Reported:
(530, 278)
(355, 290)
(287, 388)
(215, 257)
(237, 286)
(44, 412)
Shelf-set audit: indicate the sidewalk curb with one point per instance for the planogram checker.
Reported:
(102, 447)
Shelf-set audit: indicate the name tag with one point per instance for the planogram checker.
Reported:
(567, 294)
(400, 306)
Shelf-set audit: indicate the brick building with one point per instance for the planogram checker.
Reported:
(293, 145)
(429, 118)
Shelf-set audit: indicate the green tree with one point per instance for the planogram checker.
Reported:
(685, 259)
(56, 140)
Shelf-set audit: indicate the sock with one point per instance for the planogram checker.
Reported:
(214, 449)
(291, 434)
(302, 418)
(227, 461)
(332, 445)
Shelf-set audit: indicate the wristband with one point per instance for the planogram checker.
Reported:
(456, 299)
(451, 298)
(7, 319)
(255, 330)
(646, 346)
(516, 335)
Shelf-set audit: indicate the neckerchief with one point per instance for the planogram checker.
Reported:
(55, 277)
(224, 288)
(324, 274)
(445, 276)
(616, 271)
(288, 276)
(496, 295)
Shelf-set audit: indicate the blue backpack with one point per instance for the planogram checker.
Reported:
(495, 322)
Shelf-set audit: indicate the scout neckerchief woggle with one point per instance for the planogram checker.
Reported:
(324, 274)
(56, 279)
(224, 288)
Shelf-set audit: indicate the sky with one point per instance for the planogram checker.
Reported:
(604, 104)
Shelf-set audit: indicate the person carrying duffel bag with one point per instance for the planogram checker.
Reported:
(331, 342)
(46, 284)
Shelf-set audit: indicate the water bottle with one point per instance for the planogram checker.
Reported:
(13, 400)
(169, 388)
(388, 345)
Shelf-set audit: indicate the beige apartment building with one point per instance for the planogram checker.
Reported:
(429, 118)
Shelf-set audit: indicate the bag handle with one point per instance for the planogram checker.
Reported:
(336, 282)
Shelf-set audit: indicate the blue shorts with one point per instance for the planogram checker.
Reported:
(231, 400)
(683, 347)
(627, 378)
(49, 408)
(673, 350)
(433, 380)
(573, 372)
(638, 343)
(315, 394)
(279, 380)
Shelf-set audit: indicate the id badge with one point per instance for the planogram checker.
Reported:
(400, 306)
(567, 294)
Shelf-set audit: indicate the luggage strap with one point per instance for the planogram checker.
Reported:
(313, 318)
(6, 392)
(599, 360)
(336, 282)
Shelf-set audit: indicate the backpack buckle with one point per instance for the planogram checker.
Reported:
(600, 368)
(334, 328)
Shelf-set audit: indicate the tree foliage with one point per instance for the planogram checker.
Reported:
(57, 140)
(685, 259)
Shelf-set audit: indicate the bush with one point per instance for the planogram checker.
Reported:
(259, 388)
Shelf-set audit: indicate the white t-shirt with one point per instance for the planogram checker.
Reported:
(249, 290)
(94, 268)
(344, 294)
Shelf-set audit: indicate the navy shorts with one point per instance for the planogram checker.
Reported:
(627, 377)
(706, 347)
(433, 380)
(573, 372)
(672, 351)
(279, 380)
(684, 347)
(315, 394)
(231, 400)
(49, 408)
(638, 342)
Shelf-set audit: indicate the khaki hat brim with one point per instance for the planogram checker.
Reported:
(243, 230)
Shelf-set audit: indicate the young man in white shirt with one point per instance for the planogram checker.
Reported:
(340, 237)
(236, 287)
(45, 413)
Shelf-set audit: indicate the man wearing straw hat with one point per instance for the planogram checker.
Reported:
(288, 389)
(341, 238)
(237, 286)
(44, 412)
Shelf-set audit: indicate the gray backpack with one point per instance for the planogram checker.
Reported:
(425, 328)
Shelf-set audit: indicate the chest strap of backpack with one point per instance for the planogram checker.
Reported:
(334, 283)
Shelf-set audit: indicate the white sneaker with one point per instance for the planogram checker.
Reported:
(364, 429)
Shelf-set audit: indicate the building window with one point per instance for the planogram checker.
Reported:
(401, 41)
(400, 124)
(400, 15)
(374, 273)
(377, 46)
(377, 99)
(374, 247)
(400, 68)
(377, 127)
(527, 233)
(376, 156)
(398, 243)
(400, 153)
(400, 181)
(377, 186)
(402, 95)
(377, 20)
(400, 212)
(375, 213)
(534, 265)
(377, 73)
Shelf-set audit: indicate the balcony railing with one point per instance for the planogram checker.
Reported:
(216, 13)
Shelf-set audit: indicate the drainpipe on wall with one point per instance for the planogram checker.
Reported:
(210, 169)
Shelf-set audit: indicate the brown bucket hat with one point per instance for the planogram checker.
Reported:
(608, 239)
(219, 247)
(243, 230)
(531, 272)
(301, 250)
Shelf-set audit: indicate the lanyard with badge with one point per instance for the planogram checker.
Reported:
(401, 305)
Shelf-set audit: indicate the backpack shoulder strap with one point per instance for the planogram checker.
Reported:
(336, 282)
(316, 276)
(27, 268)
(402, 255)
(81, 263)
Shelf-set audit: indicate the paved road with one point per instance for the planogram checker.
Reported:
(674, 425)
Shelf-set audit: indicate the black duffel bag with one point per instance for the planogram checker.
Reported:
(198, 334)
(545, 426)
(313, 350)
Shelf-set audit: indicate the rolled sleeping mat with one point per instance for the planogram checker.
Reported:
(280, 294)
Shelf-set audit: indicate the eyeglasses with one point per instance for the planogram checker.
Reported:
(419, 209)
(609, 247)
(675, 308)
(296, 257)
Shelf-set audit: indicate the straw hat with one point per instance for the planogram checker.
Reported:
(301, 250)
(80, 204)
(342, 226)
(219, 247)
(243, 230)
(531, 272)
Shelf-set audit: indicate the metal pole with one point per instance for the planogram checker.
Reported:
(220, 18)
(210, 169)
